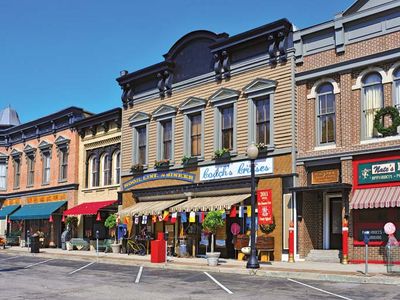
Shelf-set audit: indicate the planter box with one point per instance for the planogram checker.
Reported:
(191, 161)
(225, 156)
(263, 152)
(164, 165)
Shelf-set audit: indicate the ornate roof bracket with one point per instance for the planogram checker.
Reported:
(222, 65)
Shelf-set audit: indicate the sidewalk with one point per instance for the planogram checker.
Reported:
(299, 270)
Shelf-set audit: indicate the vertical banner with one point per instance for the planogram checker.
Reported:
(264, 202)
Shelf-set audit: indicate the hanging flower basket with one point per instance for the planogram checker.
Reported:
(379, 124)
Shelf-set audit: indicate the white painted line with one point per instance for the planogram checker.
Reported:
(217, 282)
(39, 263)
(326, 292)
(81, 268)
(8, 258)
(139, 274)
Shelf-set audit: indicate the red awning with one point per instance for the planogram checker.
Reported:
(90, 208)
(376, 198)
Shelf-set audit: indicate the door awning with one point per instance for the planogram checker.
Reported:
(376, 198)
(209, 203)
(37, 211)
(148, 208)
(89, 208)
(8, 210)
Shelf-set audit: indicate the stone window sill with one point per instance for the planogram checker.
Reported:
(381, 140)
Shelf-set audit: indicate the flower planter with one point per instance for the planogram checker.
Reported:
(212, 258)
(164, 165)
(116, 248)
(262, 151)
(191, 161)
(223, 157)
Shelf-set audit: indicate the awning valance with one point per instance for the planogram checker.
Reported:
(376, 198)
(8, 210)
(148, 208)
(210, 203)
(37, 211)
(89, 208)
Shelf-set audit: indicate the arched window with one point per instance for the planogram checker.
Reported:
(106, 169)
(117, 167)
(326, 114)
(396, 86)
(372, 94)
(93, 172)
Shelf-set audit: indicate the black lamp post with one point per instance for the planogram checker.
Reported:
(252, 263)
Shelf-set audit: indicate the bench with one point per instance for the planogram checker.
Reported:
(79, 244)
(265, 246)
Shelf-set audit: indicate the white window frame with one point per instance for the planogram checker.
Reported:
(192, 106)
(116, 166)
(257, 90)
(106, 169)
(93, 164)
(221, 99)
(317, 115)
(137, 120)
(3, 177)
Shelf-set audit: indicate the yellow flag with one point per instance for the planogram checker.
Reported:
(249, 211)
(192, 217)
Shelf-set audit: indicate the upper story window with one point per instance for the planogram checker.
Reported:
(17, 171)
(396, 85)
(193, 127)
(117, 167)
(225, 116)
(93, 171)
(142, 144)
(261, 94)
(372, 101)
(166, 139)
(263, 121)
(326, 114)
(46, 167)
(227, 127)
(139, 122)
(63, 164)
(106, 169)
(30, 160)
(3, 173)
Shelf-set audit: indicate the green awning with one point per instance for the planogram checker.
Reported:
(37, 211)
(8, 210)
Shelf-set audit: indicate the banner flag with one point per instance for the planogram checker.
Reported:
(264, 203)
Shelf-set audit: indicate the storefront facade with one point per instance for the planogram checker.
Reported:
(345, 74)
(186, 125)
(38, 161)
(99, 170)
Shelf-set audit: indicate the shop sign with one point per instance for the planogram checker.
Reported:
(236, 169)
(264, 203)
(325, 176)
(375, 235)
(171, 175)
(377, 172)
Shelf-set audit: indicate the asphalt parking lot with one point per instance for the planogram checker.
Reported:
(30, 277)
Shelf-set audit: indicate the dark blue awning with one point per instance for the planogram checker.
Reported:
(37, 211)
(8, 210)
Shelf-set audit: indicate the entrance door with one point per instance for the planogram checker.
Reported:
(335, 226)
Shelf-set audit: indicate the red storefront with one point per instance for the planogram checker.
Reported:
(375, 201)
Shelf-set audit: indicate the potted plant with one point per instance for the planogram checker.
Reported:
(137, 168)
(262, 148)
(211, 223)
(222, 154)
(189, 160)
(159, 164)
(111, 224)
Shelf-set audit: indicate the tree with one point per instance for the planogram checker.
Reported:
(212, 222)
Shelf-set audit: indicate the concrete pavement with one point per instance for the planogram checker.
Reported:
(352, 273)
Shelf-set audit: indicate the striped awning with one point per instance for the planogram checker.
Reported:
(148, 208)
(376, 198)
(209, 203)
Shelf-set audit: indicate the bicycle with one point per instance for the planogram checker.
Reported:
(135, 247)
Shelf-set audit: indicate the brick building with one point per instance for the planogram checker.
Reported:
(186, 124)
(347, 70)
(38, 163)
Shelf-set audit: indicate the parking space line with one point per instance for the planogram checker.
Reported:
(9, 258)
(39, 263)
(318, 289)
(217, 282)
(139, 274)
(81, 268)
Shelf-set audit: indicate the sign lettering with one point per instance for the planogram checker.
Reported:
(377, 172)
(171, 175)
(264, 202)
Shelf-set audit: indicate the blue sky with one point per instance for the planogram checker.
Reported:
(56, 53)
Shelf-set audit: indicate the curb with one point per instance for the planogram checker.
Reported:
(263, 272)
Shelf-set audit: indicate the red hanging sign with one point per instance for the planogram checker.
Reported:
(264, 202)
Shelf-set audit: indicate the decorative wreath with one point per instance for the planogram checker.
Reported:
(269, 227)
(394, 115)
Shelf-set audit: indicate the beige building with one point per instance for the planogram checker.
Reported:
(186, 125)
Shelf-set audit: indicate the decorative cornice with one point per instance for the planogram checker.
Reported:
(164, 110)
(192, 103)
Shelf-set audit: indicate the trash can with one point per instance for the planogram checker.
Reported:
(158, 251)
(35, 243)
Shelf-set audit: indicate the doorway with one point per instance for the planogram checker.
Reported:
(332, 221)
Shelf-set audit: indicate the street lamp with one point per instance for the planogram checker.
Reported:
(252, 263)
